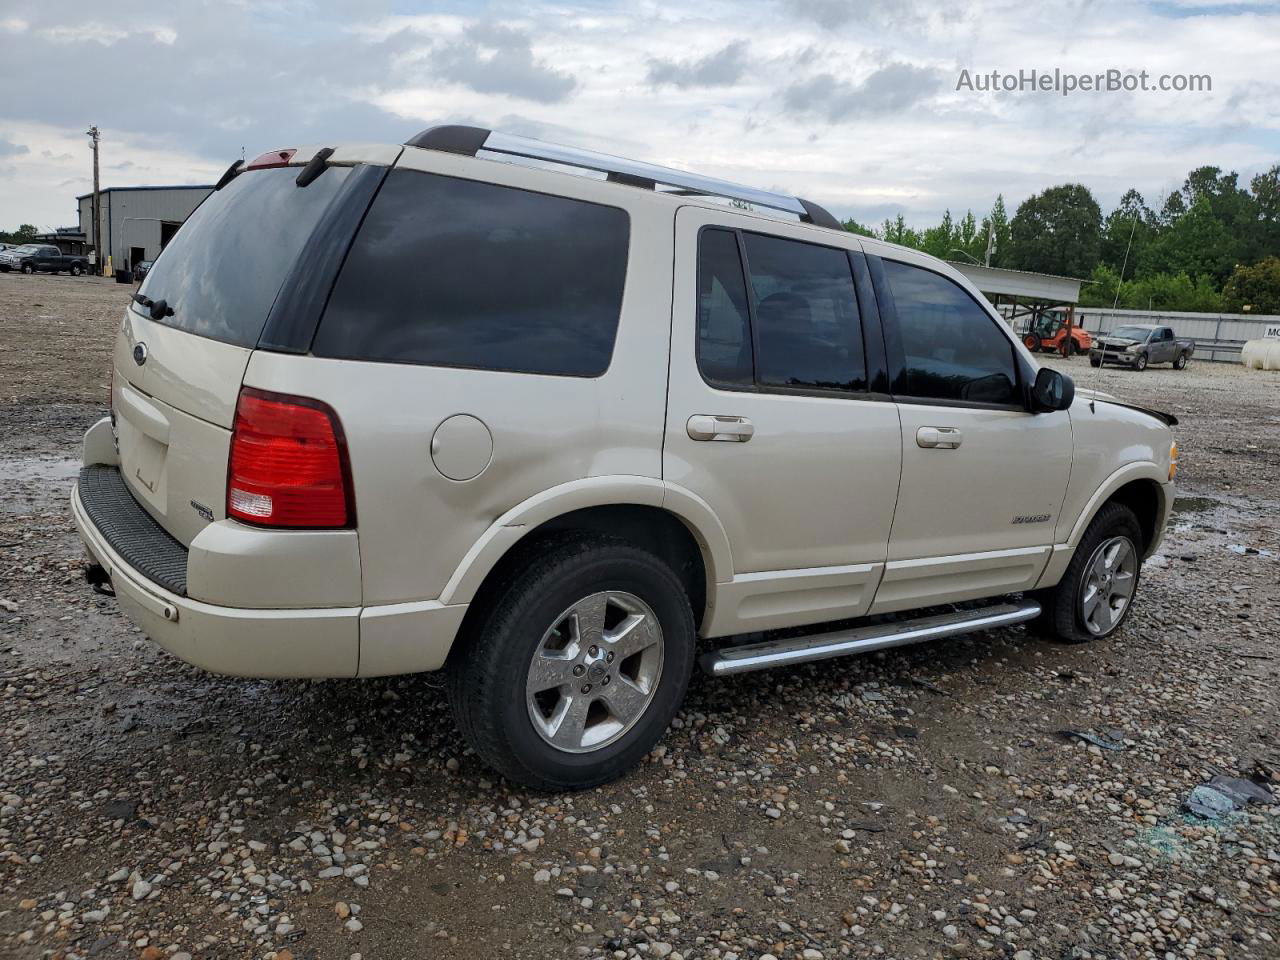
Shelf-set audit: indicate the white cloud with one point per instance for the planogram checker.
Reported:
(851, 105)
(40, 185)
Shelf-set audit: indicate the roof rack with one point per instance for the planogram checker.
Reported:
(468, 141)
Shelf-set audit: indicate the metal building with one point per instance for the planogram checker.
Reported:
(137, 222)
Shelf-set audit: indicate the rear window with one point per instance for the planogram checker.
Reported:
(459, 273)
(222, 270)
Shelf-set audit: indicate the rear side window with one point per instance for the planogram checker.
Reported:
(222, 270)
(724, 322)
(807, 329)
(953, 350)
(460, 273)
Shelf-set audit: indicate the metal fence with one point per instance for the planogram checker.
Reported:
(1218, 336)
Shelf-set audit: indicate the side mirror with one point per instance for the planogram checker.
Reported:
(1051, 391)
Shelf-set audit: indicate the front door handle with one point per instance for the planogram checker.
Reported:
(938, 438)
(733, 429)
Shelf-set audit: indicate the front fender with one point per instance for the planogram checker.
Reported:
(1130, 472)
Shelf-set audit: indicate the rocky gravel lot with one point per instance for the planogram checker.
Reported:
(921, 803)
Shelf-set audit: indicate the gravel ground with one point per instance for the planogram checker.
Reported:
(918, 803)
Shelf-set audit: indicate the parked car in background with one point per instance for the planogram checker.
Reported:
(42, 258)
(1137, 345)
(388, 409)
(140, 270)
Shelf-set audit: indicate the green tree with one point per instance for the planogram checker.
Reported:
(1058, 231)
(1266, 197)
(897, 231)
(1198, 242)
(853, 226)
(1129, 229)
(938, 241)
(24, 234)
(1157, 291)
(995, 229)
(1256, 287)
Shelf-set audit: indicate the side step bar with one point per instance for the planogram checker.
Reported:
(839, 643)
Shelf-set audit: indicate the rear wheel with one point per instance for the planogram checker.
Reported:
(579, 667)
(1180, 362)
(1141, 362)
(1097, 591)
(1033, 342)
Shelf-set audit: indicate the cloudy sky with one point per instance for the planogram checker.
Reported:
(852, 104)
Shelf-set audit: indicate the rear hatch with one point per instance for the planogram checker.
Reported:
(186, 339)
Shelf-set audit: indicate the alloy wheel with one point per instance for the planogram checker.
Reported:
(595, 671)
(1110, 578)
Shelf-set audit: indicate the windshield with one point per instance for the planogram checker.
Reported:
(27, 248)
(1130, 333)
(221, 272)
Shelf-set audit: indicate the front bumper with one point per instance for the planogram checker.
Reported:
(1114, 356)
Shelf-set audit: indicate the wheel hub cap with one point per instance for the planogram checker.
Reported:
(595, 671)
(1109, 581)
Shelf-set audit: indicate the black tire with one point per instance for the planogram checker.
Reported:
(75, 270)
(1095, 361)
(1033, 342)
(1140, 363)
(1061, 606)
(27, 268)
(1180, 362)
(488, 668)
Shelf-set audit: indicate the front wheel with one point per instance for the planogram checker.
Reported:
(27, 268)
(75, 270)
(578, 668)
(1180, 362)
(1096, 593)
(1141, 362)
(1095, 361)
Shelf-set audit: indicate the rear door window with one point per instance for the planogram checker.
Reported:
(461, 273)
(807, 325)
(223, 268)
(952, 347)
(807, 330)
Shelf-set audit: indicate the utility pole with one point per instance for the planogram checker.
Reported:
(99, 261)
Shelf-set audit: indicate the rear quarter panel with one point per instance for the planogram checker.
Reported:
(416, 526)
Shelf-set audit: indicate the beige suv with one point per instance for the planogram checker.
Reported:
(558, 423)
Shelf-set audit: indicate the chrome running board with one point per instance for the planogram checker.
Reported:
(839, 643)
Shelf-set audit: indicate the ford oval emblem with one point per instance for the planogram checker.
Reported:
(139, 353)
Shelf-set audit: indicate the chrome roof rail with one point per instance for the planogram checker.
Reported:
(469, 141)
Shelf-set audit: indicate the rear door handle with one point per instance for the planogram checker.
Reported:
(938, 438)
(703, 426)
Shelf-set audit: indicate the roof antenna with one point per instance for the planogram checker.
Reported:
(1102, 360)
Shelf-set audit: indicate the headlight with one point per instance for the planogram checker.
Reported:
(1133, 349)
(1173, 460)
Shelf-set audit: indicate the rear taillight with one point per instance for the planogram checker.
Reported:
(288, 464)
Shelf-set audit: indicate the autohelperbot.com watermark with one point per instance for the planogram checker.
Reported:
(1066, 82)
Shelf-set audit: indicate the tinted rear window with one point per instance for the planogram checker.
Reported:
(460, 273)
(222, 270)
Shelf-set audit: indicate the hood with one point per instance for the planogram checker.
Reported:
(1115, 341)
(1162, 416)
